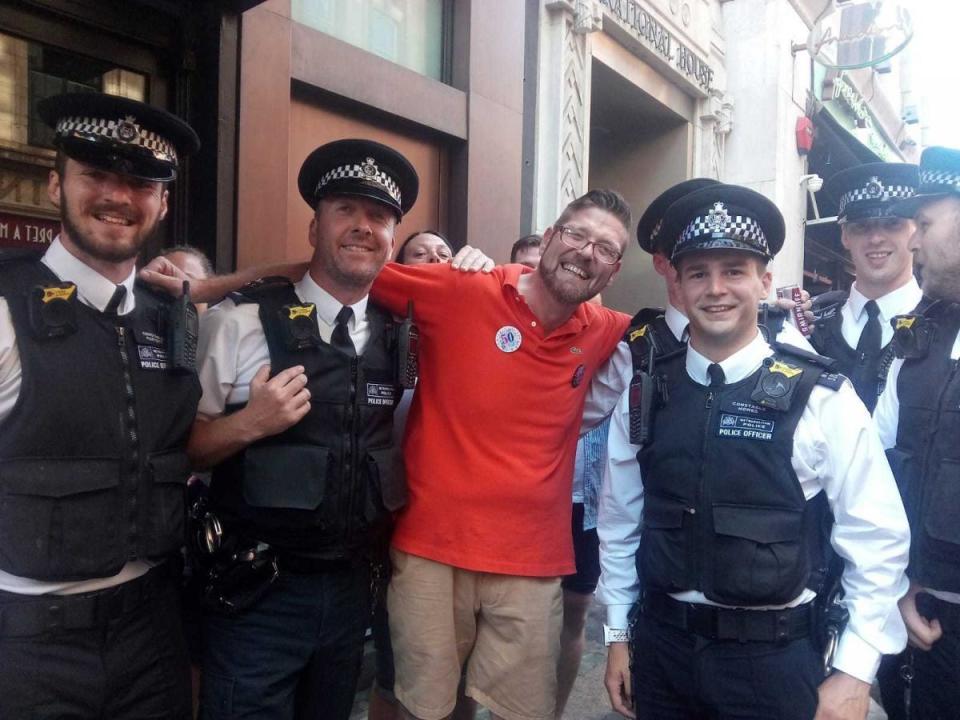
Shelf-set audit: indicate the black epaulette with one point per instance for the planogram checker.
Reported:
(252, 291)
(645, 316)
(832, 380)
(827, 364)
(828, 304)
(18, 254)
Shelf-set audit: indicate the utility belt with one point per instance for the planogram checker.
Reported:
(239, 570)
(32, 615)
(718, 623)
(947, 613)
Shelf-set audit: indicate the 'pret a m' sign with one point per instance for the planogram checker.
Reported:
(655, 36)
(22, 231)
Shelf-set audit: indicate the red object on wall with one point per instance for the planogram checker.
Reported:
(804, 134)
(24, 231)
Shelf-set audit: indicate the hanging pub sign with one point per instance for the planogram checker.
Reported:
(23, 231)
(860, 34)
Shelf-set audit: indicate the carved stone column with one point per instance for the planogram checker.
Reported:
(563, 105)
(717, 122)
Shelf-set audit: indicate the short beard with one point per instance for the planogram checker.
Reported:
(562, 293)
(106, 253)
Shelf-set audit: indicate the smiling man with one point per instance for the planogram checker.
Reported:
(480, 549)
(726, 509)
(855, 328)
(94, 412)
(300, 382)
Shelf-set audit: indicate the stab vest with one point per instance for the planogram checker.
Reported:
(648, 331)
(724, 512)
(325, 487)
(867, 375)
(93, 471)
(926, 459)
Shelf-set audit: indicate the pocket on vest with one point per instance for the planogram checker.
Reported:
(59, 518)
(663, 544)
(285, 476)
(169, 471)
(941, 523)
(387, 487)
(760, 558)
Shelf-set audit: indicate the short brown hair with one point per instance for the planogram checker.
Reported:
(609, 200)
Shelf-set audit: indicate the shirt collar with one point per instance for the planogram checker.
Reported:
(676, 321)
(328, 306)
(510, 281)
(735, 368)
(902, 300)
(93, 289)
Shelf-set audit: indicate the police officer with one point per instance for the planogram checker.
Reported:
(664, 330)
(300, 383)
(752, 447)
(918, 416)
(855, 328)
(97, 393)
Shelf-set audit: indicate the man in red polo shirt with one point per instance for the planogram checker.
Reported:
(478, 552)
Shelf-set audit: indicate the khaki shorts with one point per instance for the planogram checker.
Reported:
(506, 628)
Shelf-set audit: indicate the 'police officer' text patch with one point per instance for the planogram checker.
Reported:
(380, 394)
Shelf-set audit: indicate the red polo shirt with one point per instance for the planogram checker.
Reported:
(492, 432)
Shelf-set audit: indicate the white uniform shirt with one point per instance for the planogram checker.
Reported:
(233, 347)
(95, 290)
(886, 417)
(613, 378)
(836, 450)
(899, 302)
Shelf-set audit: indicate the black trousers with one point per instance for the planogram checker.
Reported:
(680, 676)
(117, 654)
(295, 655)
(935, 690)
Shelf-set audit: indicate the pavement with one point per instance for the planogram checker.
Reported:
(589, 700)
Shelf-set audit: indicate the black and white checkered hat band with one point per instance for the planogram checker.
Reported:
(367, 173)
(940, 177)
(122, 130)
(874, 192)
(735, 227)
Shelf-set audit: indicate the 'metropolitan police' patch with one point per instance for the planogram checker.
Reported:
(748, 428)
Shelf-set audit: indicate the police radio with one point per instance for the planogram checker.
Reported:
(183, 328)
(643, 393)
(408, 346)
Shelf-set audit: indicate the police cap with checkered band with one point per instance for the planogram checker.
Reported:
(722, 217)
(871, 191)
(939, 174)
(119, 134)
(648, 229)
(359, 167)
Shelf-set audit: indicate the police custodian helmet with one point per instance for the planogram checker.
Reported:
(119, 134)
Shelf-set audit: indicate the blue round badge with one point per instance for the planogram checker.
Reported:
(508, 339)
(578, 375)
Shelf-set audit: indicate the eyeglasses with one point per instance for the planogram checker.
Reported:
(603, 251)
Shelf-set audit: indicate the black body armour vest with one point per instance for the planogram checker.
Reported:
(868, 375)
(649, 331)
(325, 487)
(926, 459)
(723, 509)
(93, 470)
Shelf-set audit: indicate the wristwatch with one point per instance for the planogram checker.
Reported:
(615, 635)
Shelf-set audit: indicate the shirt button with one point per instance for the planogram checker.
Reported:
(533, 323)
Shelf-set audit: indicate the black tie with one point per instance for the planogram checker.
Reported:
(116, 300)
(869, 345)
(716, 374)
(340, 339)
